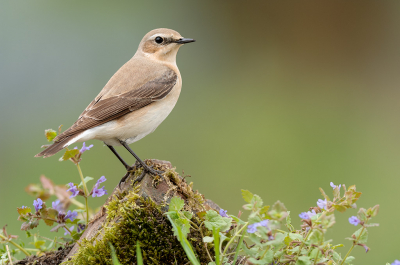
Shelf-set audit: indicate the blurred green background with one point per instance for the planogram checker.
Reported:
(278, 97)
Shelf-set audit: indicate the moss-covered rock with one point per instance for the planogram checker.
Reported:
(137, 214)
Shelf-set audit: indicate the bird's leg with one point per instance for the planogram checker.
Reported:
(145, 167)
(128, 168)
(119, 157)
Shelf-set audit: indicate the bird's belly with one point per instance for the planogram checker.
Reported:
(135, 125)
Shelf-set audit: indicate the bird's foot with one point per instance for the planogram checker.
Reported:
(146, 169)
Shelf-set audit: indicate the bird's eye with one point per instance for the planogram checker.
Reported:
(159, 40)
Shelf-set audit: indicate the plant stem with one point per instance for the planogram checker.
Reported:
(308, 234)
(354, 243)
(9, 255)
(86, 193)
(230, 241)
(15, 245)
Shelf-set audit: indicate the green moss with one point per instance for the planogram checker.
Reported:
(131, 218)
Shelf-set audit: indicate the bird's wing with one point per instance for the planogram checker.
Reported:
(101, 110)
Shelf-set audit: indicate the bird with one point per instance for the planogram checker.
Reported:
(134, 102)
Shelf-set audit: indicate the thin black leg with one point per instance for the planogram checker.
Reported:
(135, 155)
(119, 157)
(145, 167)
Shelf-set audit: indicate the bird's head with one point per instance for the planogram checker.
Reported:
(162, 44)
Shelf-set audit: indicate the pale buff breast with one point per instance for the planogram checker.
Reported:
(136, 125)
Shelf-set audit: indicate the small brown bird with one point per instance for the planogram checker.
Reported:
(134, 102)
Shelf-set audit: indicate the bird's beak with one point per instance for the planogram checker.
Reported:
(184, 40)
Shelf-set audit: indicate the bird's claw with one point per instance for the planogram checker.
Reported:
(146, 168)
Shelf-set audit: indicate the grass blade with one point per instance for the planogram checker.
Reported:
(216, 246)
(114, 256)
(185, 244)
(239, 246)
(139, 257)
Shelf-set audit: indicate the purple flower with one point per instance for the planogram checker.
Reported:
(38, 204)
(334, 186)
(99, 192)
(84, 148)
(223, 212)
(70, 229)
(23, 207)
(354, 220)
(322, 204)
(57, 206)
(396, 262)
(81, 227)
(73, 189)
(101, 180)
(71, 215)
(307, 215)
(253, 227)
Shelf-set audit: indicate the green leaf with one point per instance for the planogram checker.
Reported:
(114, 256)
(362, 214)
(349, 259)
(215, 221)
(337, 246)
(289, 222)
(139, 257)
(303, 260)
(316, 237)
(188, 215)
(278, 210)
(185, 243)
(176, 204)
(50, 134)
(363, 237)
(297, 237)
(264, 209)
(374, 211)
(38, 244)
(208, 239)
(23, 211)
(69, 154)
(256, 201)
(247, 195)
(86, 180)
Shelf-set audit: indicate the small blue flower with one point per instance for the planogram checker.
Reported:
(322, 204)
(38, 204)
(71, 215)
(354, 220)
(101, 180)
(56, 205)
(70, 229)
(396, 262)
(98, 192)
(73, 189)
(334, 186)
(253, 227)
(223, 212)
(307, 215)
(23, 207)
(84, 148)
(304, 215)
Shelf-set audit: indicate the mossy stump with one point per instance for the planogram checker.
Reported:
(136, 213)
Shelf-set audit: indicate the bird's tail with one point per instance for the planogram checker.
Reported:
(56, 147)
